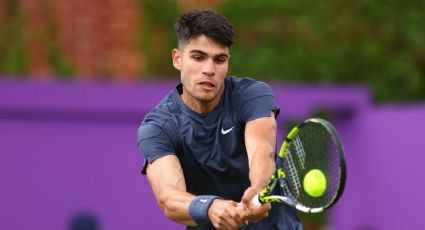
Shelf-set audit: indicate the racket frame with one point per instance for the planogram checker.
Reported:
(279, 177)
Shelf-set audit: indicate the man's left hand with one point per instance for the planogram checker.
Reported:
(250, 211)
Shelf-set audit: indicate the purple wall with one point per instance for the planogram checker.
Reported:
(69, 148)
(385, 153)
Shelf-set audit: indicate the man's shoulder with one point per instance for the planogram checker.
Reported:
(164, 111)
(247, 86)
(240, 81)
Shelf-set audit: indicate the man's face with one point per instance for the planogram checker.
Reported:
(203, 66)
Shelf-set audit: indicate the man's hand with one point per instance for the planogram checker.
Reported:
(223, 215)
(252, 212)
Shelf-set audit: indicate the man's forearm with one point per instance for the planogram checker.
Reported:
(262, 167)
(175, 205)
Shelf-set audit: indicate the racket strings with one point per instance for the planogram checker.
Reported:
(295, 177)
(313, 148)
(299, 150)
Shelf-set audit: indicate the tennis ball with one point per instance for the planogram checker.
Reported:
(314, 183)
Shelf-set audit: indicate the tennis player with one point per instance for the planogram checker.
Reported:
(209, 145)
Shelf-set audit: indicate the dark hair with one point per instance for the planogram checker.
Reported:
(204, 22)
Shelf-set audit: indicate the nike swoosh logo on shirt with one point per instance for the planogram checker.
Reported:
(224, 132)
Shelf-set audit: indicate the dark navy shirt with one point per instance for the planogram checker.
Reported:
(211, 147)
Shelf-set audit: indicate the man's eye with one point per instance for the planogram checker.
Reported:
(198, 57)
(220, 60)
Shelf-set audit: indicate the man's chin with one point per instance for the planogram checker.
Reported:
(206, 98)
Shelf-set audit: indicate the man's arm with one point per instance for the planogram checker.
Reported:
(260, 141)
(167, 181)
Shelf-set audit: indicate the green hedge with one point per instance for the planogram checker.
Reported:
(14, 60)
(157, 37)
(13, 56)
(375, 42)
(380, 43)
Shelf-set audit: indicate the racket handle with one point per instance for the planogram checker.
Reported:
(256, 200)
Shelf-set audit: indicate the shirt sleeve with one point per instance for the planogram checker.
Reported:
(153, 142)
(257, 100)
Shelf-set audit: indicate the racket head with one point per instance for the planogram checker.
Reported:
(313, 144)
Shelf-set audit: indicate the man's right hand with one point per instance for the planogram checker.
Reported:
(223, 215)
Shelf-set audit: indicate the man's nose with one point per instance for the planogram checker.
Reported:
(209, 68)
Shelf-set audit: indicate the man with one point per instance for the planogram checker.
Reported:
(211, 141)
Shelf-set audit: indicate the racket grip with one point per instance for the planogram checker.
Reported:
(256, 200)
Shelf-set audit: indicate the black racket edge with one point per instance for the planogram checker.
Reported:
(335, 137)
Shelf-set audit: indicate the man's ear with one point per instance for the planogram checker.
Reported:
(176, 56)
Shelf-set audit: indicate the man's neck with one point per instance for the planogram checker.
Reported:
(199, 106)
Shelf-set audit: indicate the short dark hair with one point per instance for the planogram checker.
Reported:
(204, 22)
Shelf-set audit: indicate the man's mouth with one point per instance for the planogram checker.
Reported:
(207, 85)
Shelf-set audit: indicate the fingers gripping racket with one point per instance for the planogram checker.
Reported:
(310, 168)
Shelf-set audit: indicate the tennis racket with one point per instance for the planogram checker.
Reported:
(312, 146)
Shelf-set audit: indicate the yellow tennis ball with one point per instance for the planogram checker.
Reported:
(314, 183)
